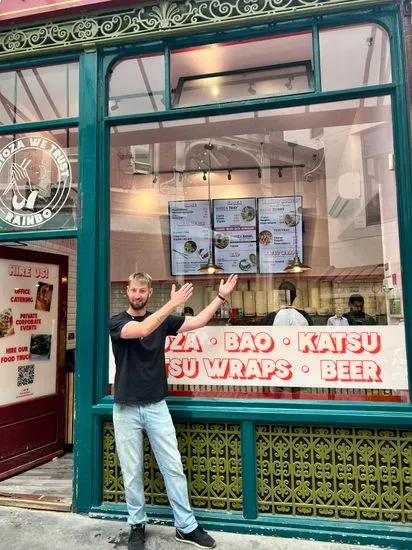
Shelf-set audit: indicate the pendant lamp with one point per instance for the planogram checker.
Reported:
(211, 268)
(295, 265)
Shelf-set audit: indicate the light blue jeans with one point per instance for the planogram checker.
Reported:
(129, 423)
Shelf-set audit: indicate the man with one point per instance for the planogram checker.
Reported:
(138, 341)
(356, 315)
(337, 320)
(287, 315)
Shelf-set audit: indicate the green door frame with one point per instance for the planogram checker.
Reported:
(93, 406)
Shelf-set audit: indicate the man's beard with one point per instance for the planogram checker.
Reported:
(138, 305)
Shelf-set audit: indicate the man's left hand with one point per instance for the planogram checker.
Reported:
(226, 287)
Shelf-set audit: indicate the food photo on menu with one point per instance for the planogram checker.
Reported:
(40, 347)
(43, 296)
(6, 323)
(235, 255)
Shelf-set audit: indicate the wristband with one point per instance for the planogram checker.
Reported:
(221, 297)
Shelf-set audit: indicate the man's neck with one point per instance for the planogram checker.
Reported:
(136, 312)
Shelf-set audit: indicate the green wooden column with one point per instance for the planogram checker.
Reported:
(84, 478)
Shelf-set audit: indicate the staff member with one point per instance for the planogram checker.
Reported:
(356, 315)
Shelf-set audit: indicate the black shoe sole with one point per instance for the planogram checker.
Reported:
(195, 543)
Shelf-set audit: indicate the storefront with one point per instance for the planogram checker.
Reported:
(268, 139)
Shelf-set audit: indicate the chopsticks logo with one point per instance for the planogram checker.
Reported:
(35, 181)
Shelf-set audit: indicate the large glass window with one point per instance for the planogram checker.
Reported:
(137, 86)
(354, 56)
(230, 71)
(261, 194)
(39, 93)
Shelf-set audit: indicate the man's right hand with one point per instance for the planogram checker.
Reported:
(179, 297)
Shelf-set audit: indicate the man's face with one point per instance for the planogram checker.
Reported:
(356, 307)
(138, 294)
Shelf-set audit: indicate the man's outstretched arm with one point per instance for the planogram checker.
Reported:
(204, 316)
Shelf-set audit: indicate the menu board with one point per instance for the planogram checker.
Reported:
(235, 234)
(249, 235)
(279, 217)
(190, 234)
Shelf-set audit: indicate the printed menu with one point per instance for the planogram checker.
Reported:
(235, 234)
(190, 234)
(279, 217)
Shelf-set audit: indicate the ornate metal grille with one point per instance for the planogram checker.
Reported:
(335, 472)
(154, 19)
(211, 458)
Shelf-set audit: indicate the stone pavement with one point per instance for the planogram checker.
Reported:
(22, 529)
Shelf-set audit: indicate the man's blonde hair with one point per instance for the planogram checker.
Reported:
(140, 277)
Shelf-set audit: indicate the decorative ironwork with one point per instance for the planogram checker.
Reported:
(335, 472)
(210, 456)
(160, 18)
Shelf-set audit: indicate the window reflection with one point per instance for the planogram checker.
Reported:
(228, 71)
(137, 86)
(39, 93)
(355, 56)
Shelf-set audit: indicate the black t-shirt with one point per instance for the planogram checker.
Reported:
(140, 362)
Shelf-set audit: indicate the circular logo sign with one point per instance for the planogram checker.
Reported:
(35, 181)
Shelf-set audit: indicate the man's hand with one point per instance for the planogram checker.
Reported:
(225, 288)
(179, 297)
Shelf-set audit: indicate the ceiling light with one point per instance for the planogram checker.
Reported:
(229, 174)
(295, 265)
(115, 105)
(211, 268)
(251, 90)
(215, 91)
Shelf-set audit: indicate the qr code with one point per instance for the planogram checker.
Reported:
(25, 375)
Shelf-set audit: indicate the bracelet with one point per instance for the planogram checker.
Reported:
(221, 297)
